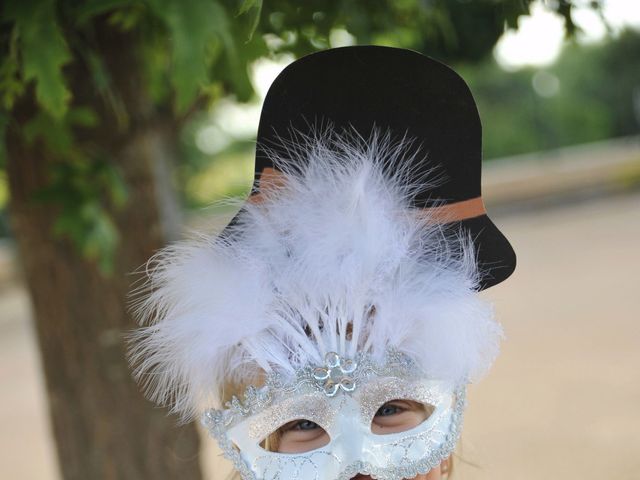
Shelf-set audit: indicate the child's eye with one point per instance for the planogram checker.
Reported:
(299, 436)
(388, 409)
(304, 425)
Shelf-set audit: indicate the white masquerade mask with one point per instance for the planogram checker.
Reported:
(341, 397)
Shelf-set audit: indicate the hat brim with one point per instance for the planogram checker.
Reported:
(495, 255)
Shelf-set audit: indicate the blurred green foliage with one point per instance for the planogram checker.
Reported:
(585, 96)
(193, 53)
(179, 45)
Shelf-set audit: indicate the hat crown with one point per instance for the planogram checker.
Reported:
(401, 91)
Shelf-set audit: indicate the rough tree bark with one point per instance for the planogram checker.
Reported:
(104, 428)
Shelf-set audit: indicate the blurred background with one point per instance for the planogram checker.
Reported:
(123, 124)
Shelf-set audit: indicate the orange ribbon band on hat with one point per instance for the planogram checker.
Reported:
(271, 179)
(453, 212)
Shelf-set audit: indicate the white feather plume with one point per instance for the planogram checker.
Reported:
(333, 260)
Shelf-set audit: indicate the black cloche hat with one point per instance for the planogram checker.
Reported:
(405, 92)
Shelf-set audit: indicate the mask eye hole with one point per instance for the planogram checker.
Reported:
(296, 436)
(399, 416)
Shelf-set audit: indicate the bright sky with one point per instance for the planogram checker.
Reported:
(539, 38)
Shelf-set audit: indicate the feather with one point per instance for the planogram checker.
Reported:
(334, 259)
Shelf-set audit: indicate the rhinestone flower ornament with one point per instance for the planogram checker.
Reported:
(337, 373)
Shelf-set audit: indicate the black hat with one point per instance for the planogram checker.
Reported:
(361, 88)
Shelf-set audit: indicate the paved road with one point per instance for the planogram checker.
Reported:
(561, 401)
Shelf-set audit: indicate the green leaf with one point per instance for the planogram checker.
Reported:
(88, 191)
(56, 135)
(248, 5)
(82, 117)
(67, 225)
(192, 26)
(256, 7)
(108, 178)
(43, 51)
(93, 8)
(11, 86)
(126, 19)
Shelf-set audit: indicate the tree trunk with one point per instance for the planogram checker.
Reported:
(104, 428)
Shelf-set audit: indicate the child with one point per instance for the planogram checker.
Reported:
(330, 331)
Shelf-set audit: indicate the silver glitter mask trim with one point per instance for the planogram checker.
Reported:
(337, 373)
(343, 413)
